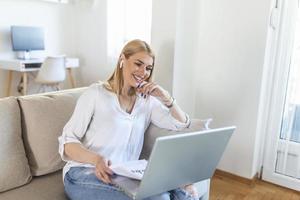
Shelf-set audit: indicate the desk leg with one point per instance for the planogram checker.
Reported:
(9, 80)
(72, 81)
(24, 83)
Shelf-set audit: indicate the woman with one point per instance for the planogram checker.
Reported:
(109, 123)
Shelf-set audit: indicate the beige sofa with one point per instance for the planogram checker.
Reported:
(30, 166)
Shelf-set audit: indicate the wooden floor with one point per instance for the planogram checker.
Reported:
(224, 188)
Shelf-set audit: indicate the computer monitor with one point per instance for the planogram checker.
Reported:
(27, 38)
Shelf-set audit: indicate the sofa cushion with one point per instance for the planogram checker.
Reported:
(14, 168)
(153, 132)
(43, 119)
(47, 187)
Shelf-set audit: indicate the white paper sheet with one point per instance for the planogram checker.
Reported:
(133, 169)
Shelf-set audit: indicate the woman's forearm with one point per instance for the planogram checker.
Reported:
(77, 152)
(177, 113)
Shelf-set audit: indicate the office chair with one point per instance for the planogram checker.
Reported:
(52, 73)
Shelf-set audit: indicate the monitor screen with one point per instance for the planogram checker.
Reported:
(26, 38)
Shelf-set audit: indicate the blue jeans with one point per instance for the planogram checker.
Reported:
(82, 184)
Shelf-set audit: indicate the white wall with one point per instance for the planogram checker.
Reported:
(186, 57)
(53, 17)
(231, 57)
(90, 17)
(162, 40)
(218, 64)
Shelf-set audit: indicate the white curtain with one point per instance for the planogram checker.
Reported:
(127, 20)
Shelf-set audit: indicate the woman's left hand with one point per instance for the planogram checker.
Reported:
(149, 88)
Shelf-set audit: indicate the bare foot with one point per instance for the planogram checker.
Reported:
(192, 190)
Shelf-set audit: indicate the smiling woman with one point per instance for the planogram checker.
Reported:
(133, 70)
(139, 59)
(108, 126)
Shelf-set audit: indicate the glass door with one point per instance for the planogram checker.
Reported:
(288, 150)
(282, 157)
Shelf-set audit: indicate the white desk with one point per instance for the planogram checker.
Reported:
(25, 66)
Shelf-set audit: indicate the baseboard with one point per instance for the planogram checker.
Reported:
(240, 179)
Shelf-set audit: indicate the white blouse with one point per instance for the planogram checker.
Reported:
(102, 126)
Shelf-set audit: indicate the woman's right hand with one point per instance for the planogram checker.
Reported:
(102, 170)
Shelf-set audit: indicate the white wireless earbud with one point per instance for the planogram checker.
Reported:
(121, 64)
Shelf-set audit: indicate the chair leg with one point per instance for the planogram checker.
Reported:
(48, 88)
(40, 90)
(57, 87)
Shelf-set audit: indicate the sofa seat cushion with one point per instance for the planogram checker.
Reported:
(14, 168)
(43, 119)
(47, 187)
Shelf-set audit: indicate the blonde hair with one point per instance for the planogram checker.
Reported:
(115, 82)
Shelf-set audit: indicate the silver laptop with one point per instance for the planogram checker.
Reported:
(178, 160)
